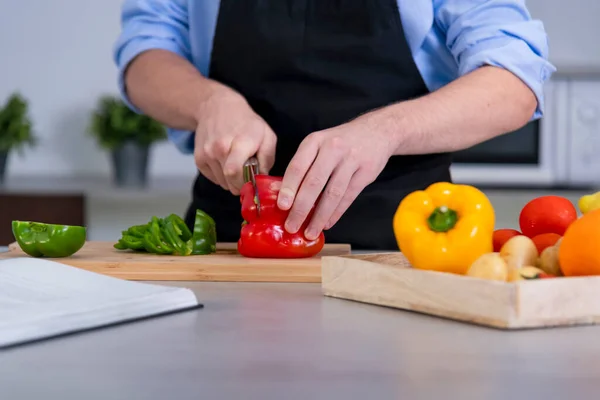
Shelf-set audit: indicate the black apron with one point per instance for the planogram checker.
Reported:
(309, 65)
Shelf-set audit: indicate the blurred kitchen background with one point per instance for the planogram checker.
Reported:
(58, 55)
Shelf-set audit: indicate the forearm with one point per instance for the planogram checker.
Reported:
(168, 88)
(476, 107)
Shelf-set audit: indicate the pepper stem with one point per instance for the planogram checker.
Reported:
(442, 219)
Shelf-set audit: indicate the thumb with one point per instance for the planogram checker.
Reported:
(266, 152)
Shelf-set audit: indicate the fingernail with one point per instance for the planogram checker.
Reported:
(284, 202)
(285, 198)
(311, 234)
(291, 228)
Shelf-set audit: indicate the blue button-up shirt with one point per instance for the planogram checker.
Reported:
(447, 38)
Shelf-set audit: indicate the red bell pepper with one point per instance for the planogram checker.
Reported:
(264, 235)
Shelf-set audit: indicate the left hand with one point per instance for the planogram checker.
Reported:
(342, 161)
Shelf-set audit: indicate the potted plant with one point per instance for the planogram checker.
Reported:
(15, 129)
(128, 137)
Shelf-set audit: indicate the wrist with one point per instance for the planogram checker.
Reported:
(393, 124)
(214, 95)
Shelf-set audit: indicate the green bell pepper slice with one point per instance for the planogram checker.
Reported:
(38, 239)
(131, 242)
(137, 231)
(171, 235)
(157, 237)
(204, 238)
(175, 235)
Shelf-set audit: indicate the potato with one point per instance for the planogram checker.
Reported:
(517, 252)
(489, 266)
(548, 261)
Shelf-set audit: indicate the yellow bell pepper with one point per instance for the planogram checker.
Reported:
(445, 227)
(589, 202)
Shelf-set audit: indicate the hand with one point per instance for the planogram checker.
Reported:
(342, 161)
(229, 132)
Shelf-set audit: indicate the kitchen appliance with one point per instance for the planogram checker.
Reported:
(560, 150)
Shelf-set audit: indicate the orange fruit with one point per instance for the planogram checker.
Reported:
(579, 251)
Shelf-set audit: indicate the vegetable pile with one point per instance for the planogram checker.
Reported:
(170, 235)
(553, 241)
(450, 228)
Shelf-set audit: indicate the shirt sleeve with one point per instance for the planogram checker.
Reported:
(153, 24)
(500, 33)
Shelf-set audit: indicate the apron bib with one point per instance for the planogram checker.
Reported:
(309, 65)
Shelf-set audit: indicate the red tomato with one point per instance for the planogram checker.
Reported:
(545, 240)
(501, 236)
(547, 214)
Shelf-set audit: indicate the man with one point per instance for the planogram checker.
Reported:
(358, 101)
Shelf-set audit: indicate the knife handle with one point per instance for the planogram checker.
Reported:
(251, 169)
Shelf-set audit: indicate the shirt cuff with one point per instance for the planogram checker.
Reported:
(183, 140)
(515, 56)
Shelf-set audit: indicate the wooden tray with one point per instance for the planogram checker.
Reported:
(387, 279)
(226, 265)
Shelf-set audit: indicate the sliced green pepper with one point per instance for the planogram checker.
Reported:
(175, 236)
(38, 239)
(204, 238)
(171, 235)
(158, 237)
(132, 242)
(183, 231)
(152, 247)
(137, 230)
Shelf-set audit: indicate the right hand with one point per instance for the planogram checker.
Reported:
(229, 133)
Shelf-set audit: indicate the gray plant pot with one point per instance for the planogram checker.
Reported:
(3, 163)
(130, 165)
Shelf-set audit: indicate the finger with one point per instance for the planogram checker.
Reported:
(332, 196)
(210, 152)
(266, 152)
(242, 149)
(203, 167)
(217, 172)
(296, 171)
(207, 173)
(358, 182)
(311, 188)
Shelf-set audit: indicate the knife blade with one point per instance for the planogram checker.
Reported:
(251, 169)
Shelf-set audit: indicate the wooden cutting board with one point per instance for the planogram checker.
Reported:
(226, 265)
(387, 279)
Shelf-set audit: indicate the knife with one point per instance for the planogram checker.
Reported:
(251, 169)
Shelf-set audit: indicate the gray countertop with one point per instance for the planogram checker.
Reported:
(96, 186)
(287, 341)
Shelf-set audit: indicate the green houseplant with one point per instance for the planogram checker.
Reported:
(16, 129)
(128, 137)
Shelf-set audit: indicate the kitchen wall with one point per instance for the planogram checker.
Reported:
(58, 53)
